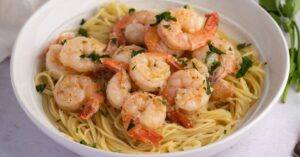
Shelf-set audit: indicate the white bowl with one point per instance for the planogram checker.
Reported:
(242, 19)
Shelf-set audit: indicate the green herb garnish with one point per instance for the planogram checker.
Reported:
(133, 67)
(40, 87)
(114, 40)
(242, 46)
(284, 13)
(63, 42)
(131, 10)
(94, 145)
(214, 66)
(58, 120)
(164, 102)
(131, 125)
(183, 61)
(103, 113)
(194, 65)
(208, 87)
(246, 64)
(225, 132)
(83, 142)
(167, 26)
(186, 6)
(82, 22)
(83, 32)
(136, 52)
(77, 129)
(212, 48)
(163, 16)
(94, 57)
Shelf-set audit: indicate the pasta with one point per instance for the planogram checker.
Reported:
(105, 129)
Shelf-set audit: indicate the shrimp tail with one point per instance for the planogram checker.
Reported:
(178, 117)
(91, 107)
(207, 33)
(145, 135)
(114, 65)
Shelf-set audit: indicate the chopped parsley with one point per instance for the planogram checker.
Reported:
(194, 65)
(212, 48)
(167, 26)
(131, 125)
(82, 22)
(164, 16)
(83, 32)
(225, 132)
(94, 145)
(103, 113)
(230, 49)
(133, 67)
(186, 6)
(83, 142)
(208, 88)
(246, 64)
(114, 40)
(183, 61)
(214, 66)
(136, 52)
(242, 46)
(58, 120)
(164, 102)
(77, 129)
(94, 56)
(40, 87)
(131, 10)
(63, 42)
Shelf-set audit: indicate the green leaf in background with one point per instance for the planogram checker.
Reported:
(290, 8)
(270, 5)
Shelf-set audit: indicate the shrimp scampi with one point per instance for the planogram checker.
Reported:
(142, 113)
(75, 92)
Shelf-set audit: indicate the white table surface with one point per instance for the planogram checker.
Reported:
(273, 136)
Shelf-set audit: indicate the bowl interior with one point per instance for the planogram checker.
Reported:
(242, 24)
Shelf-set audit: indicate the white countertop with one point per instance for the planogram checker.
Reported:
(274, 136)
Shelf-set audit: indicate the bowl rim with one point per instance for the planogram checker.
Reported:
(65, 141)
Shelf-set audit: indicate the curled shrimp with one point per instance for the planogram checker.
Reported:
(183, 35)
(118, 88)
(228, 62)
(73, 49)
(124, 53)
(155, 44)
(53, 64)
(142, 113)
(74, 91)
(185, 91)
(150, 71)
(130, 28)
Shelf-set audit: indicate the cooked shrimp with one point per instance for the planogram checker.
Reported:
(53, 63)
(222, 90)
(60, 40)
(155, 44)
(73, 49)
(142, 113)
(227, 60)
(124, 53)
(130, 29)
(150, 71)
(185, 91)
(118, 88)
(74, 91)
(185, 33)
